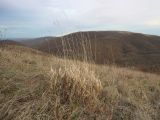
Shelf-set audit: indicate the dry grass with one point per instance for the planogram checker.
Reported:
(34, 86)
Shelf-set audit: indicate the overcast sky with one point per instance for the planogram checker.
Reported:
(36, 18)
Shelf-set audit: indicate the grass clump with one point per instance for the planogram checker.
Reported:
(76, 84)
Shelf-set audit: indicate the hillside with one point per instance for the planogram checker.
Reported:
(34, 86)
(127, 49)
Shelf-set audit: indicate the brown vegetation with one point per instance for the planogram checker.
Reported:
(37, 86)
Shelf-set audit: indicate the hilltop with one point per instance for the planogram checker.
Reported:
(126, 49)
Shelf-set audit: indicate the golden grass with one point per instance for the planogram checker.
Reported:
(36, 86)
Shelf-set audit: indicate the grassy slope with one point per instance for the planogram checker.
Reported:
(34, 85)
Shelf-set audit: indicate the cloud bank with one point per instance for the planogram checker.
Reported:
(35, 18)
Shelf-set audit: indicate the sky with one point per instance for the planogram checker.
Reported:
(37, 18)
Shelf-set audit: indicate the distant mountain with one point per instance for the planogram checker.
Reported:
(9, 42)
(35, 43)
(105, 47)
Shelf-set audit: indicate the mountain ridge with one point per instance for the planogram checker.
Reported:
(123, 48)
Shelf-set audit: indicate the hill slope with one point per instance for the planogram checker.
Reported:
(34, 85)
(107, 47)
